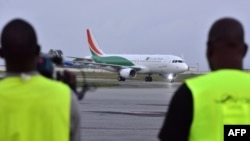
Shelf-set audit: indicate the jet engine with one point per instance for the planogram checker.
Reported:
(127, 73)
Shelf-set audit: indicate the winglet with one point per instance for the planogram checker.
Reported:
(93, 45)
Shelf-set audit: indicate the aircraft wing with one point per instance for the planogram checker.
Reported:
(81, 59)
(118, 67)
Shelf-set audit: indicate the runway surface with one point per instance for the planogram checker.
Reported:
(136, 83)
(124, 114)
(134, 111)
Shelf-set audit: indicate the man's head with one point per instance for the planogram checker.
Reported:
(19, 46)
(226, 47)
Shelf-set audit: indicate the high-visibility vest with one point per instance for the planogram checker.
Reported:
(219, 98)
(34, 110)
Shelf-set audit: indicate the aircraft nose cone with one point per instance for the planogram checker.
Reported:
(185, 67)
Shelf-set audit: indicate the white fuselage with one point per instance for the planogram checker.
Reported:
(153, 64)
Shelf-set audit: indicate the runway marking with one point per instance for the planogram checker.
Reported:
(154, 104)
(122, 128)
(134, 113)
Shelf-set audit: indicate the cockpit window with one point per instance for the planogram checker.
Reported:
(177, 61)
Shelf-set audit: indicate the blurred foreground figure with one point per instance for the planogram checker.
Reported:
(33, 107)
(202, 106)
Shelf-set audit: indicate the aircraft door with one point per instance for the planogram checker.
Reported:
(163, 66)
(164, 63)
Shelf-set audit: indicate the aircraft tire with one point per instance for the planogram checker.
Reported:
(148, 79)
(121, 78)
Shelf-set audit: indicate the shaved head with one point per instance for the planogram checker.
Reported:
(226, 29)
(226, 47)
(18, 39)
(19, 46)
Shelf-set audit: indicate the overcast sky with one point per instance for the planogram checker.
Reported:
(127, 26)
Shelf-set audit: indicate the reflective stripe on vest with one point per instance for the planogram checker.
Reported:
(220, 97)
(34, 110)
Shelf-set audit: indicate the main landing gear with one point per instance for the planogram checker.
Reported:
(121, 78)
(148, 78)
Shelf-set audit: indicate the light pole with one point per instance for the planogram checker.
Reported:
(197, 66)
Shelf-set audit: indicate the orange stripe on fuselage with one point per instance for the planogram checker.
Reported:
(92, 45)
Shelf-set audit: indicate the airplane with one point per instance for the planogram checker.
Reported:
(129, 65)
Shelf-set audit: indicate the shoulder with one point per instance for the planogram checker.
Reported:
(200, 79)
(51, 81)
(182, 95)
(182, 91)
(53, 84)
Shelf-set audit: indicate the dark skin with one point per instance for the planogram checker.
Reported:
(226, 49)
(19, 46)
(23, 65)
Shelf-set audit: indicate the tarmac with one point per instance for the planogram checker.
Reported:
(124, 114)
(133, 111)
(135, 83)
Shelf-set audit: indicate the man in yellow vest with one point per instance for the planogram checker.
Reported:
(202, 106)
(32, 107)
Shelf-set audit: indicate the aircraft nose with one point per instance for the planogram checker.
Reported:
(185, 67)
